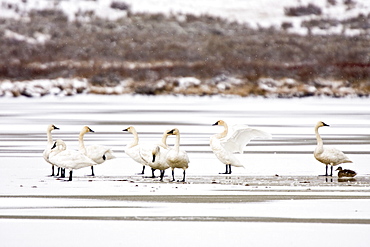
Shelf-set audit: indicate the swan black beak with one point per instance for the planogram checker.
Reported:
(326, 124)
(91, 130)
(171, 132)
(125, 130)
(153, 158)
(54, 146)
(55, 127)
(215, 123)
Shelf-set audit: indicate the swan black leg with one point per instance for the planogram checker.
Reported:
(183, 179)
(162, 175)
(63, 173)
(52, 171)
(58, 171)
(143, 170)
(70, 176)
(153, 176)
(229, 169)
(92, 171)
(331, 171)
(173, 175)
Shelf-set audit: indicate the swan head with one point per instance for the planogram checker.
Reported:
(86, 129)
(130, 129)
(339, 168)
(321, 124)
(60, 144)
(219, 122)
(52, 127)
(173, 132)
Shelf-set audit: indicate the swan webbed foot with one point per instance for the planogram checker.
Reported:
(326, 171)
(228, 170)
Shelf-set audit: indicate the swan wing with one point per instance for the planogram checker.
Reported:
(333, 156)
(71, 160)
(177, 159)
(241, 136)
(99, 153)
(145, 153)
(160, 161)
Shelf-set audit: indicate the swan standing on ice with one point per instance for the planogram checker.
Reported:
(328, 156)
(133, 149)
(156, 157)
(159, 161)
(97, 153)
(68, 159)
(224, 144)
(49, 144)
(175, 157)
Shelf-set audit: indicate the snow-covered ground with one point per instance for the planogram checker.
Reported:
(263, 13)
(278, 199)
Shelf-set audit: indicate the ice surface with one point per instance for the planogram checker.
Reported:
(279, 194)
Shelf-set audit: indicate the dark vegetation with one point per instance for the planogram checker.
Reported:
(148, 48)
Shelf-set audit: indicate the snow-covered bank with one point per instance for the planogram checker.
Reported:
(266, 87)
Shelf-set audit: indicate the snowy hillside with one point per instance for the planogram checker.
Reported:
(256, 13)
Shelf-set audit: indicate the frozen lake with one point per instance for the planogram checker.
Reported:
(278, 193)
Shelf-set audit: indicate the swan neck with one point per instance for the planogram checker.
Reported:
(49, 136)
(164, 140)
(318, 138)
(136, 139)
(81, 142)
(223, 133)
(177, 143)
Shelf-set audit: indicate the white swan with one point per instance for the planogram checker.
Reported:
(134, 150)
(97, 153)
(175, 157)
(328, 156)
(49, 144)
(156, 157)
(68, 159)
(159, 161)
(224, 144)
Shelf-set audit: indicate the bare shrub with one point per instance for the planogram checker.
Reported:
(310, 9)
(120, 5)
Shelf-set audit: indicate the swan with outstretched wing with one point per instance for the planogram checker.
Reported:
(226, 143)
